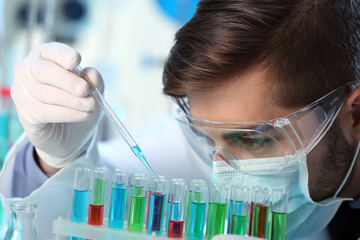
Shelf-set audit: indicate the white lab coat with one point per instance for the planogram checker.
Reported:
(162, 142)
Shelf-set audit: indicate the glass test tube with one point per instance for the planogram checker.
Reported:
(118, 198)
(189, 198)
(156, 207)
(171, 192)
(279, 205)
(176, 208)
(260, 219)
(217, 210)
(137, 202)
(198, 199)
(5, 106)
(80, 196)
(251, 207)
(238, 210)
(96, 208)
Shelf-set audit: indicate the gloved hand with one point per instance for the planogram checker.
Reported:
(54, 105)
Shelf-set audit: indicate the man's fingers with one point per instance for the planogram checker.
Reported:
(50, 73)
(60, 54)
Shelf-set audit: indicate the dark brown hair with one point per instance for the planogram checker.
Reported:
(307, 47)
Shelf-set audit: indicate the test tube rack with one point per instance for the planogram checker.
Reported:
(63, 228)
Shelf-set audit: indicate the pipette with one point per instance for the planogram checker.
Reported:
(116, 121)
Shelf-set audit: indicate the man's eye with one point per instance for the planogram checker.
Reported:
(252, 141)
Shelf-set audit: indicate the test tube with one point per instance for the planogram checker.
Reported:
(199, 197)
(260, 219)
(238, 210)
(176, 208)
(279, 205)
(80, 196)
(96, 208)
(217, 210)
(118, 198)
(137, 202)
(188, 212)
(170, 196)
(156, 207)
(251, 207)
(5, 106)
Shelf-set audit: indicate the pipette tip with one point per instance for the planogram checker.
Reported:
(137, 151)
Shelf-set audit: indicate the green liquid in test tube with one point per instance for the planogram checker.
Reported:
(136, 215)
(137, 202)
(279, 206)
(238, 224)
(98, 192)
(188, 213)
(277, 225)
(219, 213)
(217, 210)
(238, 209)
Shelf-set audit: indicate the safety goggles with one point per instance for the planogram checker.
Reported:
(286, 137)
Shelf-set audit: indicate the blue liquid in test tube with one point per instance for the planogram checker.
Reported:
(157, 205)
(118, 198)
(156, 212)
(80, 196)
(80, 199)
(197, 220)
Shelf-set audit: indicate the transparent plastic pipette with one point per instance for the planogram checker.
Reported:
(116, 121)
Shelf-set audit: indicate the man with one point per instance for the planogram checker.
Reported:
(243, 72)
(255, 61)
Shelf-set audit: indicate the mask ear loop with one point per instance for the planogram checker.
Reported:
(349, 171)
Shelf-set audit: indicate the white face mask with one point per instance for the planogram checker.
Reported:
(305, 217)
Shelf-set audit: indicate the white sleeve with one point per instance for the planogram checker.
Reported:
(25, 175)
(53, 196)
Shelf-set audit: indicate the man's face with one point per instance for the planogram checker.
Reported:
(248, 99)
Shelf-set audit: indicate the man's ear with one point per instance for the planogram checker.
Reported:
(349, 117)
